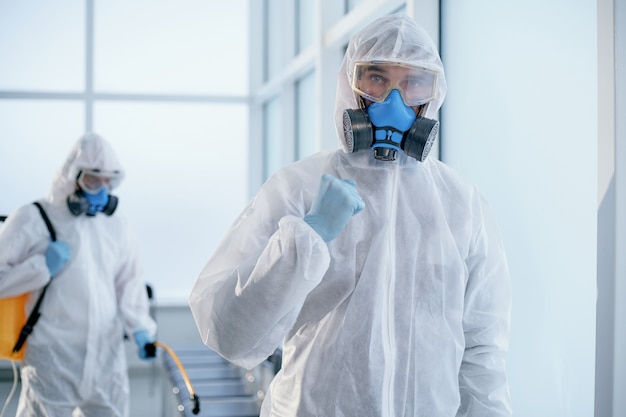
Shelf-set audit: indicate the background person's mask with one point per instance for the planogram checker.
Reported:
(82, 202)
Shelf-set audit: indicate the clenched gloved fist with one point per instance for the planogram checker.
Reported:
(142, 339)
(57, 254)
(336, 202)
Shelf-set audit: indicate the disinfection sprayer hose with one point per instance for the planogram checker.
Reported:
(151, 351)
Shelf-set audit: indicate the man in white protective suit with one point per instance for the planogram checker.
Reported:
(75, 363)
(379, 270)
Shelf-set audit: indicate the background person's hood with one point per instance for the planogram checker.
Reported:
(91, 151)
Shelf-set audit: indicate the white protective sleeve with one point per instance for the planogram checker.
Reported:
(250, 292)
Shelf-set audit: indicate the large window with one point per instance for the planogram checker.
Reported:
(305, 116)
(166, 82)
(272, 143)
(305, 15)
(171, 47)
(42, 48)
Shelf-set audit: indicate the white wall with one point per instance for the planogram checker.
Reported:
(520, 121)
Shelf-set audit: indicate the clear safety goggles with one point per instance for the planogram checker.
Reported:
(93, 180)
(374, 80)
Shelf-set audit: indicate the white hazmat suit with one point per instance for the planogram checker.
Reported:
(405, 313)
(75, 354)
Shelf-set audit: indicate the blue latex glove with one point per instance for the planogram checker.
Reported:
(142, 338)
(336, 202)
(57, 254)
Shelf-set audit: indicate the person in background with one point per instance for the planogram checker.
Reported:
(379, 270)
(75, 361)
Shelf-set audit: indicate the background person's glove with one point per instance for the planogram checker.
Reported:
(142, 338)
(57, 254)
(336, 202)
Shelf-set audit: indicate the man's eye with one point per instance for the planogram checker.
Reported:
(377, 78)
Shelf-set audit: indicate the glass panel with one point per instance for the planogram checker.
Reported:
(306, 23)
(37, 137)
(172, 47)
(42, 45)
(305, 113)
(272, 137)
(273, 40)
(186, 181)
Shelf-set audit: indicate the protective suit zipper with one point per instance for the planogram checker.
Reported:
(388, 331)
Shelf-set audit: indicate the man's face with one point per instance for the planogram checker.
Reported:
(375, 80)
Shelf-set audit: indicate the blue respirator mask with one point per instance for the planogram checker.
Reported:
(92, 196)
(389, 124)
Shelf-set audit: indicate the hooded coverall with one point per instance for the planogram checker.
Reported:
(75, 356)
(405, 313)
